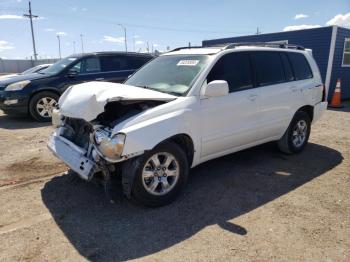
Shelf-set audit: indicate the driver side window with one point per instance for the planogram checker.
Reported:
(234, 68)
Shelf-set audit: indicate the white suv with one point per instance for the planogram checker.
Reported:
(184, 108)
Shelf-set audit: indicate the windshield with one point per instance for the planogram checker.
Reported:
(59, 66)
(170, 74)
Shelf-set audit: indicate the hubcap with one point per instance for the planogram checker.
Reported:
(160, 174)
(299, 133)
(45, 106)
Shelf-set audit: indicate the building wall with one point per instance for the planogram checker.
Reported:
(18, 66)
(338, 70)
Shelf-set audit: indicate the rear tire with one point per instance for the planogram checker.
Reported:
(297, 135)
(159, 175)
(41, 105)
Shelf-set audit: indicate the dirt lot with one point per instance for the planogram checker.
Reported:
(256, 205)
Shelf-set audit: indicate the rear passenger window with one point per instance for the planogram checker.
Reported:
(113, 63)
(268, 68)
(287, 67)
(235, 69)
(300, 65)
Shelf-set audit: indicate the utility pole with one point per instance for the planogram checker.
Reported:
(59, 45)
(82, 43)
(31, 16)
(147, 47)
(133, 38)
(124, 28)
(74, 47)
(258, 32)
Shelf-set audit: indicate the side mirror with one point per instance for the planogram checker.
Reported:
(216, 88)
(72, 73)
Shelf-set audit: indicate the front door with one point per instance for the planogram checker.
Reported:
(230, 122)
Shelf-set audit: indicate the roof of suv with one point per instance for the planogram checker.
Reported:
(206, 50)
(113, 53)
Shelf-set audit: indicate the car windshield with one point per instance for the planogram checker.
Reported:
(172, 74)
(59, 66)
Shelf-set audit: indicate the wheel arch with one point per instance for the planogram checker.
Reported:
(307, 109)
(185, 142)
(46, 89)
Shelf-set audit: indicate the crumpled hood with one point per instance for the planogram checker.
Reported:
(87, 100)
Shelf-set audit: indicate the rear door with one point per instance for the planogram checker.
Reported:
(230, 121)
(279, 93)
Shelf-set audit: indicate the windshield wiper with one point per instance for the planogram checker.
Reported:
(162, 91)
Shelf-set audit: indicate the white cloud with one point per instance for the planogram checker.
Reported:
(340, 20)
(299, 27)
(11, 17)
(139, 42)
(74, 8)
(112, 39)
(49, 30)
(4, 45)
(300, 16)
(61, 33)
(84, 9)
(155, 45)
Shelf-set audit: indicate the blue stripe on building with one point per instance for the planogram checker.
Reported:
(317, 39)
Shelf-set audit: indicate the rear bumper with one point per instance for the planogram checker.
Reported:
(318, 110)
(73, 156)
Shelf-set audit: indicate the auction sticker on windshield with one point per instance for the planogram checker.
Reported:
(188, 62)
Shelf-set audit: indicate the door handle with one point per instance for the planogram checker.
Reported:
(99, 79)
(252, 97)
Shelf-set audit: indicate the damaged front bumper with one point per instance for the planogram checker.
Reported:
(73, 156)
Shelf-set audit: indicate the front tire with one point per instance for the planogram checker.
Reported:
(297, 135)
(159, 175)
(41, 105)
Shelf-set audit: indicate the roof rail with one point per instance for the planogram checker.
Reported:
(185, 47)
(263, 44)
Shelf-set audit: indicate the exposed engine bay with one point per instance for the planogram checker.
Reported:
(78, 130)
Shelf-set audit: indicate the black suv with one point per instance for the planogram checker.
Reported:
(38, 93)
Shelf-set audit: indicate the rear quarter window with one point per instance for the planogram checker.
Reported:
(301, 67)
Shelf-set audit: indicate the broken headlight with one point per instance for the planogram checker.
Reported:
(109, 147)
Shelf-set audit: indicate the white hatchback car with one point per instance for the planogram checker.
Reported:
(184, 108)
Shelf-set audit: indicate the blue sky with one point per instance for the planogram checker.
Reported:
(160, 23)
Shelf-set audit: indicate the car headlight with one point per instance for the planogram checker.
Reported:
(109, 147)
(17, 86)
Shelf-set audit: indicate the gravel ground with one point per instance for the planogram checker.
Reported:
(255, 205)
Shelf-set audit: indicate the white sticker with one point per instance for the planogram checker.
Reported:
(188, 62)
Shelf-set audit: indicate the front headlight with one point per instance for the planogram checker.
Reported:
(17, 86)
(110, 147)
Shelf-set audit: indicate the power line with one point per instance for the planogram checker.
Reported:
(31, 16)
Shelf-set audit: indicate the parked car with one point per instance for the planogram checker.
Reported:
(184, 108)
(35, 69)
(38, 93)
